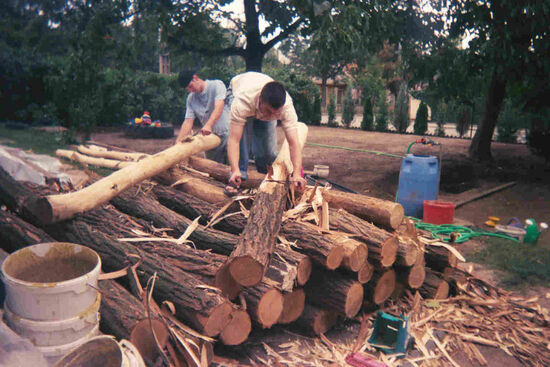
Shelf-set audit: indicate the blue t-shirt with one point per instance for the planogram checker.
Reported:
(201, 105)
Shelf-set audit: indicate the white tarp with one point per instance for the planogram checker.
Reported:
(35, 168)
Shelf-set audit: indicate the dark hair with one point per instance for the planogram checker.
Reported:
(274, 94)
(185, 77)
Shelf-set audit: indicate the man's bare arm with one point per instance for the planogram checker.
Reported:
(214, 116)
(185, 129)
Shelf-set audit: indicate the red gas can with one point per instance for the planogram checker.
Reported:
(438, 212)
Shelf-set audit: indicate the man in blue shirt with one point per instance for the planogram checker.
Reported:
(206, 102)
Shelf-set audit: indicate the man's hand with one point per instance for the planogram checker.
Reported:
(298, 181)
(206, 130)
(235, 179)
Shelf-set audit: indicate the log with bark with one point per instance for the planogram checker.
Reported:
(206, 189)
(264, 304)
(17, 198)
(412, 276)
(381, 285)
(249, 259)
(317, 321)
(355, 252)
(15, 233)
(333, 291)
(383, 213)
(202, 306)
(293, 306)
(438, 258)
(364, 274)
(55, 208)
(222, 172)
(383, 245)
(434, 286)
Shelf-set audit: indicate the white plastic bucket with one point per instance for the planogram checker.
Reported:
(321, 170)
(52, 333)
(102, 351)
(51, 281)
(53, 353)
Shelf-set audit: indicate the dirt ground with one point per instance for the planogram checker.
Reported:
(378, 175)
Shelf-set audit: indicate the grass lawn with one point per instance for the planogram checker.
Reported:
(41, 142)
(525, 264)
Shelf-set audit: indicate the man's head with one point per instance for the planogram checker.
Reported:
(190, 81)
(272, 99)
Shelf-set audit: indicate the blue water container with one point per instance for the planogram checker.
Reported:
(418, 181)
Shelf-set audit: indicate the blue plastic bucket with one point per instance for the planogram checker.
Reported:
(418, 181)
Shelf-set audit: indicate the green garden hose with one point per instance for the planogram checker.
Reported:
(460, 234)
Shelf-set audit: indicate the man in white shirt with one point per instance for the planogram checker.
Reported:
(258, 102)
(206, 102)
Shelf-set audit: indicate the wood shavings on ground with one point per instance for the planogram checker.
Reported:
(480, 315)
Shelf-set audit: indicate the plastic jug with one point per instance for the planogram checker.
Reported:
(418, 181)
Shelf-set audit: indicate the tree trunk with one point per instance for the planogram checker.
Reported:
(480, 148)
(355, 252)
(254, 52)
(316, 320)
(221, 172)
(383, 213)
(55, 208)
(413, 276)
(96, 151)
(334, 292)
(94, 161)
(364, 274)
(249, 259)
(324, 92)
(205, 309)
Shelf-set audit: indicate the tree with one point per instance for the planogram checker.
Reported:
(382, 116)
(331, 109)
(421, 120)
(401, 110)
(316, 118)
(368, 117)
(510, 44)
(348, 112)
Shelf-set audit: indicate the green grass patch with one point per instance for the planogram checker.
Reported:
(40, 142)
(524, 263)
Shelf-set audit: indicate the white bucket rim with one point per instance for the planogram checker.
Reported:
(90, 340)
(61, 350)
(54, 325)
(62, 284)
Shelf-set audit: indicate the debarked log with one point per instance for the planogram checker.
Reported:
(54, 208)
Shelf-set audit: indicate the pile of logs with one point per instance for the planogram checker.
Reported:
(270, 256)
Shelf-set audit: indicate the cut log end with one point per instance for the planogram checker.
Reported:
(389, 251)
(335, 257)
(354, 299)
(417, 274)
(323, 321)
(293, 306)
(304, 271)
(411, 255)
(225, 282)
(238, 329)
(356, 258)
(246, 271)
(384, 287)
(270, 308)
(217, 320)
(42, 210)
(442, 290)
(397, 214)
(365, 273)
